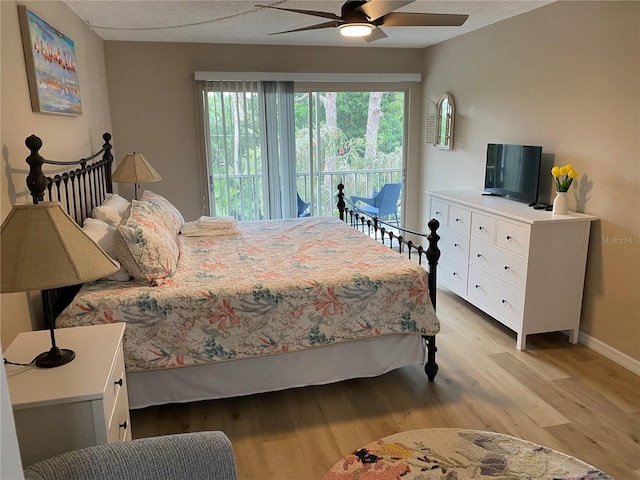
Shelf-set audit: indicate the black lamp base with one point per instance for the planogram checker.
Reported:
(55, 357)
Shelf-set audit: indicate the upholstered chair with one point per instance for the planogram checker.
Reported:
(186, 456)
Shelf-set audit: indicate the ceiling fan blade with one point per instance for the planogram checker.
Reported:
(312, 27)
(398, 19)
(375, 9)
(315, 13)
(376, 34)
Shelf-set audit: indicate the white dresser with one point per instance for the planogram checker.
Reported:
(524, 267)
(80, 404)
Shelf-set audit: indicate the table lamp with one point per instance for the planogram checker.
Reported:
(43, 248)
(135, 169)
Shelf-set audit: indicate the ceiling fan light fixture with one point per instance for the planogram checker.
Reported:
(355, 29)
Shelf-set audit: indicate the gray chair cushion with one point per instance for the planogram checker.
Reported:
(193, 456)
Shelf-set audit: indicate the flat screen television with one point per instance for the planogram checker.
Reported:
(513, 171)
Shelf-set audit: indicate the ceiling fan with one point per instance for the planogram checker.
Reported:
(362, 18)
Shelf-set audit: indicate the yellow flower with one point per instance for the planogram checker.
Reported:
(564, 176)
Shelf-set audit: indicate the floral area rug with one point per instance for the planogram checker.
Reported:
(456, 454)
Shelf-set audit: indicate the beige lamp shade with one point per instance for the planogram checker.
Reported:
(134, 168)
(42, 247)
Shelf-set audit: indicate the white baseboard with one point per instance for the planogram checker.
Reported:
(611, 353)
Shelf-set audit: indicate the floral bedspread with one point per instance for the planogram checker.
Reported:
(277, 286)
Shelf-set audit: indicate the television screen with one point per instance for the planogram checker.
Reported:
(513, 171)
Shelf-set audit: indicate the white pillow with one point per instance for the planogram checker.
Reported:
(103, 234)
(112, 210)
(115, 200)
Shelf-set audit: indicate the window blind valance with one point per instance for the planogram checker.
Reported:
(310, 77)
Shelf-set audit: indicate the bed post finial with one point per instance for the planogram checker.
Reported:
(341, 204)
(36, 181)
(108, 157)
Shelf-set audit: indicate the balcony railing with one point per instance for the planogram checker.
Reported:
(321, 192)
(363, 183)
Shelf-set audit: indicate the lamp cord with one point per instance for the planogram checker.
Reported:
(19, 364)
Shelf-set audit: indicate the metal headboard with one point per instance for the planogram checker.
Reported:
(79, 188)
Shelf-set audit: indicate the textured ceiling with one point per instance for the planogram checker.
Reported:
(221, 21)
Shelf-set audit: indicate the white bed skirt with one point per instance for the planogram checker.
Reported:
(333, 363)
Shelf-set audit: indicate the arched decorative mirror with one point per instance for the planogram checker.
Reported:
(445, 109)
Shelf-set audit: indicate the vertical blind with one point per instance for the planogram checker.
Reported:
(250, 148)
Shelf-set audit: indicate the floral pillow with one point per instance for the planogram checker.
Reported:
(104, 235)
(144, 246)
(166, 212)
(112, 210)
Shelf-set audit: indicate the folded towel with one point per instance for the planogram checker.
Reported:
(217, 222)
(192, 229)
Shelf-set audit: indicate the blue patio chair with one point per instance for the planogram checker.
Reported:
(383, 203)
(303, 207)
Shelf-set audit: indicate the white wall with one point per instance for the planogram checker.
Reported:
(63, 137)
(567, 77)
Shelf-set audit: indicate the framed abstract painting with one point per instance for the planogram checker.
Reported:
(50, 58)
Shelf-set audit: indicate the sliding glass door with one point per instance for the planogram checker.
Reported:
(273, 153)
(351, 137)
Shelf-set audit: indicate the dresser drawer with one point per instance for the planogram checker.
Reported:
(513, 237)
(439, 211)
(459, 219)
(452, 272)
(116, 383)
(119, 425)
(506, 266)
(483, 227)
(503, 299)
(454, 243)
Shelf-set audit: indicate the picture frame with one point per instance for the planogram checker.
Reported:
(50, 58)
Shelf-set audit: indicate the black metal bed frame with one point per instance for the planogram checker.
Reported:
(85, 186)
(79, 190)
(385, 232)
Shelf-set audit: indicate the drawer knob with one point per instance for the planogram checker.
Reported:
(477, 286)
(456, 245)
(508, 237)
(504, 301)
(480, 228)
(119, 382)
(506, 267)
(438, 213)
(454, 273)
(123, 425)
(479, 255)
(457, 219)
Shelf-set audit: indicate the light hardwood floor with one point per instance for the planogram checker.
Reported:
(564, 396)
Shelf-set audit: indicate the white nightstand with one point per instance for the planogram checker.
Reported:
(77, 405)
